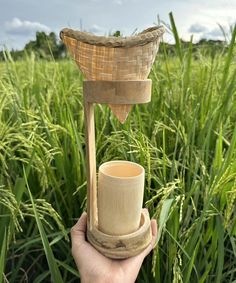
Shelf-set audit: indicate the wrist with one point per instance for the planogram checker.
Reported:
(95, 280)
(99, 280)
(88, 279)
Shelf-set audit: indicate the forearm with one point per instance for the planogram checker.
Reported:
(113, 278)
(93, 280)
(86, 280)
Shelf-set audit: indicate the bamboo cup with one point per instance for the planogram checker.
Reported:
(120, 197)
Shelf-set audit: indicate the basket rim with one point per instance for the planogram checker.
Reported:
(148, 35)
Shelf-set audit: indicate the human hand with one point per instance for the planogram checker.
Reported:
(95, 267)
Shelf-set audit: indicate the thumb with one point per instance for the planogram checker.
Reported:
(78, 231)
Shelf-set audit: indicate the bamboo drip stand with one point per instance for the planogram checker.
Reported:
(115, 92)
(116, 71)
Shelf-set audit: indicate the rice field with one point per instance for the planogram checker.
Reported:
(185, 139)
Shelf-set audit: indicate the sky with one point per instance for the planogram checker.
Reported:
(20, 19)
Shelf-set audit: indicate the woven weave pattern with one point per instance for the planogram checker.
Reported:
(119, 63)
(102, 63)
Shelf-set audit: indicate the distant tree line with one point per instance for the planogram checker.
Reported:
(47, 46)
(207, 46)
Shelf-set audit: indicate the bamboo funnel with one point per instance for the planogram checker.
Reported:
(114, 58)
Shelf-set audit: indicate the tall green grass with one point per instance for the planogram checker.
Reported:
(185, 138)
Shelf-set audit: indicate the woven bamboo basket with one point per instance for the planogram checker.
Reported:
(114, 58)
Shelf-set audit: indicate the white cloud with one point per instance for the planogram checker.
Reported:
(211, 31)
(207, 31)
(206, 22)
(117, 2)
(19, 27)
(97, 29)
(197, 28)
(215, 33)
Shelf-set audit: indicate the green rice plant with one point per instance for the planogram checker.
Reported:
(3, 256)
(55, 273)
(185, 139)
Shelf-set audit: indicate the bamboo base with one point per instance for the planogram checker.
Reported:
(120, 247)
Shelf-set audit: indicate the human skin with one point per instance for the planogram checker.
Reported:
(96, 268)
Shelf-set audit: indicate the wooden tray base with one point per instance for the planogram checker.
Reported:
(120, 247)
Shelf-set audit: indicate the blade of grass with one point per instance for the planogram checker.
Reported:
(191, 265)
(178, 45)
(68, 268)
(41, 277)
(163, 216)
(3, 257)
(220, 251)
(55, 273)
(228, 60)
